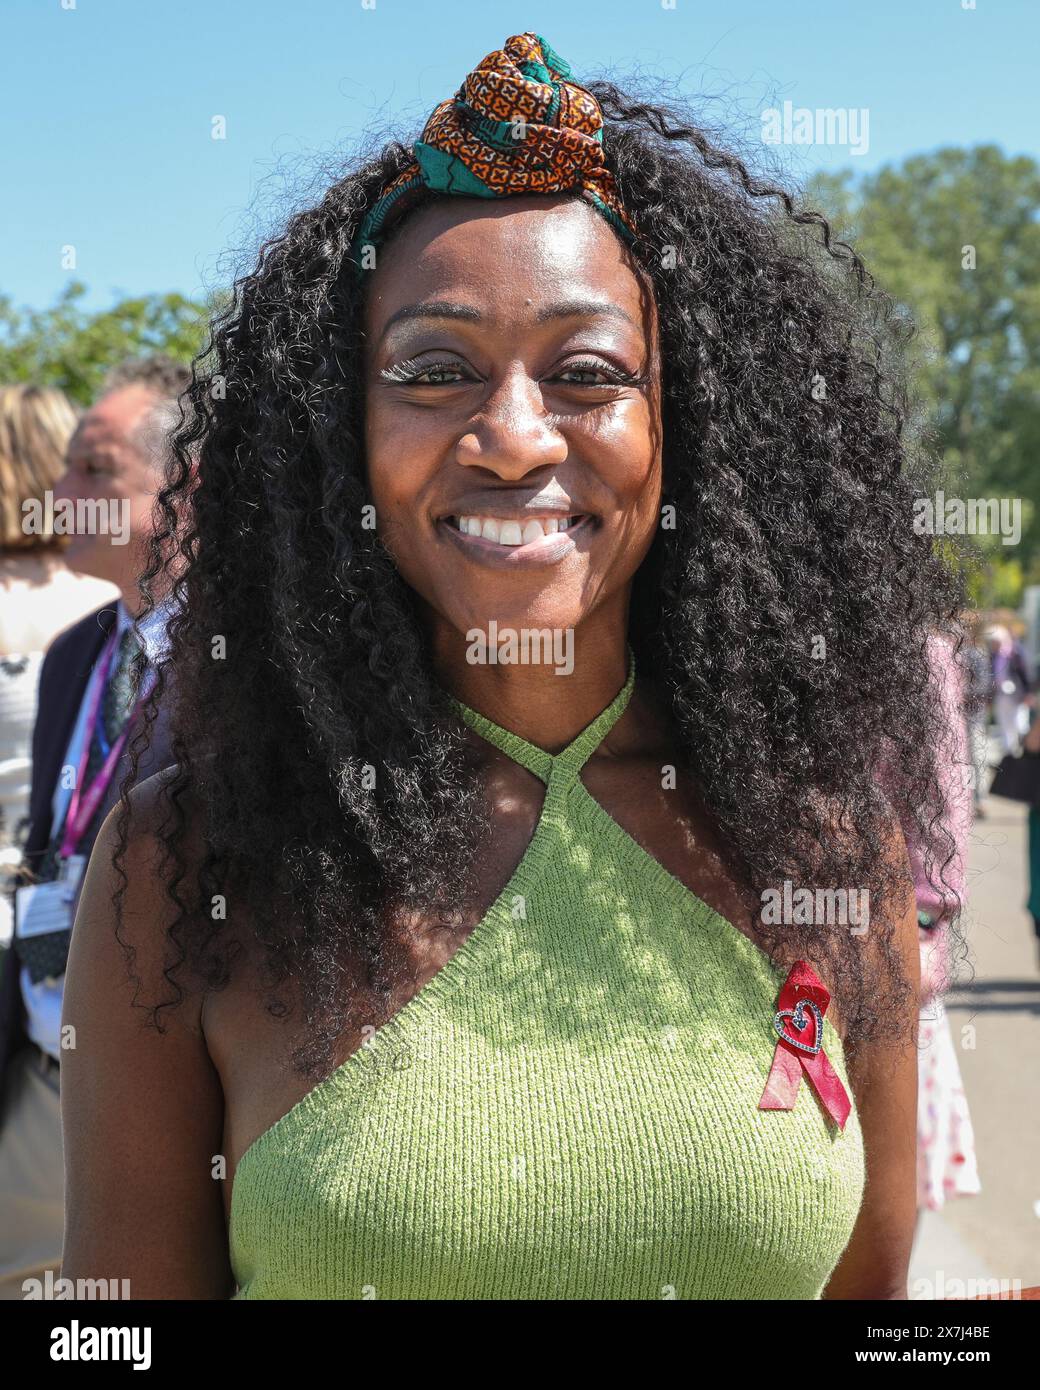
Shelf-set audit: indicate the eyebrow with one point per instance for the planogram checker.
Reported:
(572, 308)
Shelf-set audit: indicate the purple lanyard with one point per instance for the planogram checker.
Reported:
(82, 808)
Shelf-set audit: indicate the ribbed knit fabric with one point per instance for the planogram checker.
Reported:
(567, 1110)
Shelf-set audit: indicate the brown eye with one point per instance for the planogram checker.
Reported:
(438, 376)
(589, 370)
(414, 373)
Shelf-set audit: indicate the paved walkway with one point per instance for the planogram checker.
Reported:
(995, 1235)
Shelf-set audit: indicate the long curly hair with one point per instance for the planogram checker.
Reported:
(322, 778)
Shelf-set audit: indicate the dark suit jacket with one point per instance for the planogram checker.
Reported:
(64, 677)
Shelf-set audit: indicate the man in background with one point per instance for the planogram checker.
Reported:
(85, 717)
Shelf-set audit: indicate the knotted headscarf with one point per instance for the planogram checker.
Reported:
(518, 124)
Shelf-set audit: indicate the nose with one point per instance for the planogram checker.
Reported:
(512, 435)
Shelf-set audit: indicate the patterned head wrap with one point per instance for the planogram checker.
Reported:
(518, 124)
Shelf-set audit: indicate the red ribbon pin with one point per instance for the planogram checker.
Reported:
(798, 1024)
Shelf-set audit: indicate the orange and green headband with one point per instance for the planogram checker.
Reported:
(518, 124)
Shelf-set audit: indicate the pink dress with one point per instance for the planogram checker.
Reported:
(946, 1164)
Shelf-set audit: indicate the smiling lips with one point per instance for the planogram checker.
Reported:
(508, 531)
(516, 542)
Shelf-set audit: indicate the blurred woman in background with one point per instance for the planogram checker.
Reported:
(39, 594)
(1012, 686)
(946, 1159)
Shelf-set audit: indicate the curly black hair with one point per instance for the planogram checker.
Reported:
(790, 467)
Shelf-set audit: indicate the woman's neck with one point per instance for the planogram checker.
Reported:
(542, 684)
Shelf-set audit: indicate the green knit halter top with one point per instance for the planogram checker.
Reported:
(568, 1109)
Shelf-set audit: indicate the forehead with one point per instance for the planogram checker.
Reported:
(513, 255)
(110, 421)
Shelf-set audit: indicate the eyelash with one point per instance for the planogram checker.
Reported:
(407, 373)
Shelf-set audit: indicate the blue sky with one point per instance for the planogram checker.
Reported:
(107, 106)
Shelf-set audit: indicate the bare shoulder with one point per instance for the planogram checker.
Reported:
(142, 1105)
(137, 869)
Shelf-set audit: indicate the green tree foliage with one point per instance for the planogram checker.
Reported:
(70, 347)
(954, 236)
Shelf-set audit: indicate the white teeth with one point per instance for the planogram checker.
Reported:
(512, 532)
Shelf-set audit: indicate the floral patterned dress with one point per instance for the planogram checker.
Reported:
(946, 1165)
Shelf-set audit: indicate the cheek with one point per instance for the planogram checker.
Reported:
(628, 452)
(400, 464)
(627, 448)
(398, 458)
(141, 488)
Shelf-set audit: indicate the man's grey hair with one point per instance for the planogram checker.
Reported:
(167, 379)
(158, 372)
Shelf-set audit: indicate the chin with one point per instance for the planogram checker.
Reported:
(535, 635)
(512, 616)
(84, 559)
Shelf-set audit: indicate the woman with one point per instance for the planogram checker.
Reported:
(39, 594)
(1012, 686)
(947, 1166)
(467, 967)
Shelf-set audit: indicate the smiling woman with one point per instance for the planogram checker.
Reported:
(531, 397)
(461, 980)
